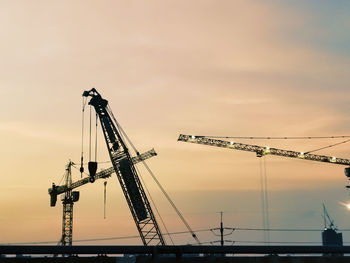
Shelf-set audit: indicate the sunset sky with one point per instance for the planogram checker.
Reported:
(229, 68)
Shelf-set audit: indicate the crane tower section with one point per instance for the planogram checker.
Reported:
(126, 173)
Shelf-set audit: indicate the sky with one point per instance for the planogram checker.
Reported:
(228, 68)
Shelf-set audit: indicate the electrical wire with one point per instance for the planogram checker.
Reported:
(278, 242)
(280, 229)
(196, 231)
(100, 239)
(285, 229)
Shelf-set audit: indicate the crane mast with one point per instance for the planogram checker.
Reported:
(122, 162)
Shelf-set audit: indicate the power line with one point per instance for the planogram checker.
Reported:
(285, 229)
(222, 230)
(197, 231)
(102, 239)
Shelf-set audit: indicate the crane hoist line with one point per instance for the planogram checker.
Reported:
(123, 166)
(261, 151)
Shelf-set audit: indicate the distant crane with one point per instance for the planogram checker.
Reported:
(70, 197)
(327, 217)
(261, 151)
(330, 237)
(123, 165)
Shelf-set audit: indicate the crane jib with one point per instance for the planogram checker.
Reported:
(261, 151)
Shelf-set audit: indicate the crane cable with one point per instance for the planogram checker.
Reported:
(90, 137)
(262, 196)
(155, 207)
(104, 199)
(329, 146)
(278, 138)
(289, 138)
(266, 202)
(96, 137)
(155, 179)
(122, 132)
(264, 199)
(172, 203)
(82, 137)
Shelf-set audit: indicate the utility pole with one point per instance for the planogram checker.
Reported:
(222, 230)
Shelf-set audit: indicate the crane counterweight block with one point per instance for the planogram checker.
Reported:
(53, 195)
(75, 196)
(347, 172)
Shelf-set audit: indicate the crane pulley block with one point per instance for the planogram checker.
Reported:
(92, 171)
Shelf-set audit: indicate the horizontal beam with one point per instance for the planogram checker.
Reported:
(177, 250)
(102, 174)
(261, 151)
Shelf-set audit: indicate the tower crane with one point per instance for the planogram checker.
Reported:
(261, 151)
(70, 197)
(330, 237)
(125, 170)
